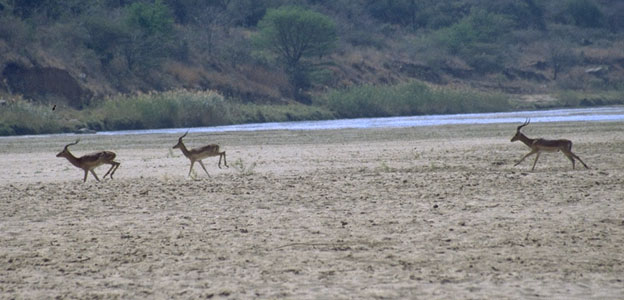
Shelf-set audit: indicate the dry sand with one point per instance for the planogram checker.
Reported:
(419, 213)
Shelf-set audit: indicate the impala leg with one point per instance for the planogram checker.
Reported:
(191, 169)
(571, 156)
(115, 170)
(532, 152)
(114, 166)
(85, 177)
(202, 165)
(94, 175)
(535, 162)
(584, 165)
(224, 160)
(222, 156)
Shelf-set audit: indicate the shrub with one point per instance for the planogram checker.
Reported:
(191, 109)
(13, 30)
(479, 27)
(294, 34)
(413, 98)
(569, 98)
(151, 34)
(585, 13)
(21, 117)
(525, 14)
(258, 113)
(162, 110)
(244, 169)
(476, 39)
(152, 110)
(485, 58)
(105, 37)
(152, 19)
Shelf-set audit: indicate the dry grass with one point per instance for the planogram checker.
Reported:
(604, 55)
(192, 76)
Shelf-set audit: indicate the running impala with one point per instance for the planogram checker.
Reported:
(90, 161)
(197, 154)
(543, 145)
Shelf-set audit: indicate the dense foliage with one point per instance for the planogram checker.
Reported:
(412, 98)
(294, 35)
(342, 58)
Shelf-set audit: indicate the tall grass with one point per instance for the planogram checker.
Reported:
(206, 108)
(413, 98)
(150, 110)
(191, 109)
(160, 110)
(20, 117)
(569, 98)
(260, 113)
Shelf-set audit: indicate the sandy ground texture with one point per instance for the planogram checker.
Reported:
(418, 213)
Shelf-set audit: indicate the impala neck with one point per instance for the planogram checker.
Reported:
(72, 159)
(185, 151)
(527, 141)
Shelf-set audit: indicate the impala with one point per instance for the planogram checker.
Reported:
(197, 154)
(90, 161)
(543, 145)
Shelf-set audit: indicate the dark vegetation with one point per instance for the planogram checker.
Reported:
(130, 64)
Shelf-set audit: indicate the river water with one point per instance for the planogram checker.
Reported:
(594, 114)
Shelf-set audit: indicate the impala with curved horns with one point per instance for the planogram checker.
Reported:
(90, 161)
(543, 145)
(197, 154)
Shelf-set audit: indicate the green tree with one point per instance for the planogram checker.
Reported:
(585, 13)
(52, 10)
(153, 19)
(150, 34)
(296, 35)
(560, 56)
(477, 39)
(402, 12)
(524, 14)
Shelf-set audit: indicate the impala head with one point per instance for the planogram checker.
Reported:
(179, 144)
(518, 133)
(65, 150)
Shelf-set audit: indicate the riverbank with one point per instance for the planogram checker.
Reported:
(185, 109)
(423, 212)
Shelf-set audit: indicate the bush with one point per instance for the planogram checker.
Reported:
(294, 35)
(569, 98)
(585, 13)
(151, 34)
(152, 110)
(191, 109)
(21, 117)
(152, 19)
(414, 98)
(479, 27)
(14, 31)
(105, 38)
(258, 113)
(162, 110)
(476, 39)
(525, 14)
(485, 58)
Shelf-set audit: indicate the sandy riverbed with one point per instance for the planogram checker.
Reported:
(420, 213)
